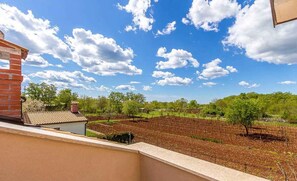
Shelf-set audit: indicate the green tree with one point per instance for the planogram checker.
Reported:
(180, 105)
(243, 112)
(65, 97)
(102, 104)
(42, 92)
(87, 104)
(116, 101)
(135, 97)
(193, 104)
(131, 108)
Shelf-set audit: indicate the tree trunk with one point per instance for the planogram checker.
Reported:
(246, 130)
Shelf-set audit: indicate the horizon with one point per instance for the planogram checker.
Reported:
(164, 49)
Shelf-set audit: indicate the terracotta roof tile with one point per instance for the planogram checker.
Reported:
(53, 117)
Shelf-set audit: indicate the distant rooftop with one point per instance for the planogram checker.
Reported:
(53, 117)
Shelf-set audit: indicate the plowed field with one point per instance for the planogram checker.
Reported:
(267, 151)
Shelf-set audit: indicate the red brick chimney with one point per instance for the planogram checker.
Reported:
(74, 107)
(11, 77)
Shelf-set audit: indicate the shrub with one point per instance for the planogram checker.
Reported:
(121, 137)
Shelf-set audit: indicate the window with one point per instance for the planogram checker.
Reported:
(4, 60)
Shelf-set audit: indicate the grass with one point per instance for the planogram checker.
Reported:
(112, 121)
(207, 139)
(154, 114)
(91, 134)
(263, 123)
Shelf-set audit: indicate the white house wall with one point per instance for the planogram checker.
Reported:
(76, 127)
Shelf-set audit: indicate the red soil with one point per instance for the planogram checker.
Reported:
(257, 154)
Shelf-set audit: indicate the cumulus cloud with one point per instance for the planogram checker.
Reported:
(169, 78)
(212, 70)
(248, 85)
(185, 21)
(125, 88)
(135, 82)
(147, 88)
(287, 82)
(253, 32)
(101, 55)
(177, 58)
(36, 34)
(36, 60)
(209, 84)
(161, 74)
(231, 69)
(26, 79)
(175, 81)
(103, 88)
(207, 14)
(64, 79)
(170, 27)
(138, 8)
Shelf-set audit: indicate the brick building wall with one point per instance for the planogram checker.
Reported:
(11, 78)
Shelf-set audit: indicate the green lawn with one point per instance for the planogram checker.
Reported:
(90, 134)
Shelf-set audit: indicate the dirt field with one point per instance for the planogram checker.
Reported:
(266, 152)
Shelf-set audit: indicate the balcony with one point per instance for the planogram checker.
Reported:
(29, 153)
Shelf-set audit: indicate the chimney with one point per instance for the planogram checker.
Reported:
(1, 35)
(74, 107)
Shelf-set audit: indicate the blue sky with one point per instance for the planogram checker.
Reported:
(165, 49)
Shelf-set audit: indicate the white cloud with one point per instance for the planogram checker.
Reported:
(35, 34)
(36, 60)
(170, 27)
(169, 78)
(248, 85)
(147, 88)
(102, 88)
(161, 74)
(213, 70)
(134, 82)
(254, 33)
(138, 8)
(209, 84)
(26, 79)
(185, 21)
(177, 58)
(207, 14)
(101, 55)
(231, 69)
(125, 87)
(63, 79)
(175, 81)
(287, 82)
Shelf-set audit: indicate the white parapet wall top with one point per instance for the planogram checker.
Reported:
(196, 166)
(201, 168)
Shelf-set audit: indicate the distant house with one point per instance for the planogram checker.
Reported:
(71, 121)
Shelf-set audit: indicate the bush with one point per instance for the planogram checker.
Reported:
(121, 137)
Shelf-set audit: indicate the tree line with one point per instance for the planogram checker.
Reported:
(240, 109)
(276, 105)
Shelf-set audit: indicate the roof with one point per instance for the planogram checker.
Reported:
(53, 117)
(24, 51)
